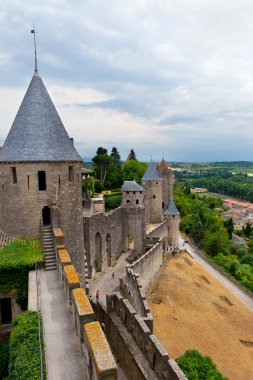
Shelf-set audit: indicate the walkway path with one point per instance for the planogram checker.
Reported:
(236, 290)
(105, 282)
(63, 357)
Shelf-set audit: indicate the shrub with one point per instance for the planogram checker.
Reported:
(4, 358)
(24, 348)
(112, 201)
(198, 367)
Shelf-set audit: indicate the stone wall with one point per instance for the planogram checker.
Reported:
(106, 236)
(164, 368)
(139, 279)
(21, 203)
(95, 350)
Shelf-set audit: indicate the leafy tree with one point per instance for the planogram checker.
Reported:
(197, 230)
(101, 151)
(134, 170)
(103, 163)
(247, 229)
(199, 367)
(215, 242)
(247, 259)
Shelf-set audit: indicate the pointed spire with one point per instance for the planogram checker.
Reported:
(36, 71)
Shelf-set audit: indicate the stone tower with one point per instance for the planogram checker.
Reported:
(40, 173)
(133, 194)
(153, 185)
(133, 213)
(166, 174)
(171, 214)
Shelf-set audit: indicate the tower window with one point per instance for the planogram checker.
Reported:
(133, 192)
(28, 182)
(153, 196)
(128, 201)
(137, 201)
(71, 174)
(14, 175)
(42, 180)
(59, 180)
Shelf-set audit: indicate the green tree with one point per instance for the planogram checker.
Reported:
(215, 242)
(247, 229)
(116, 156)
(103, 163)
(229, 225)
(134, 170)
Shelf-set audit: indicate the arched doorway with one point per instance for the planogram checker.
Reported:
(108, 249)
(46, 216)
(130, 242)
(98, 252)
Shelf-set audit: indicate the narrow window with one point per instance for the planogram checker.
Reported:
(133, 192)
(128, 201)
(28, 182)
(137, 201)
(163, 205)
(153, 196)
(59, 180)
(14, 175)
(42, 180)
(127, 192)
(71, 174)
(140, 192)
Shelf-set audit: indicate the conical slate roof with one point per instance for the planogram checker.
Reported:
(163, 165)
(37, 133)
(151, 174)
(171, 209)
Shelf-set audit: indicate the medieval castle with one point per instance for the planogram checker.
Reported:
(40, 186)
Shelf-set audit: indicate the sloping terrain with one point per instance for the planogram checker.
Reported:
(191, 309)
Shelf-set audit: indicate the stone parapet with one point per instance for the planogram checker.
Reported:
(100, 364)
(82, 310)
(157, 356)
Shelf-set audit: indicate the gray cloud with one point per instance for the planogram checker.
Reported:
(182, 69)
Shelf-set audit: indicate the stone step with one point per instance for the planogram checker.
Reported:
(50, 267)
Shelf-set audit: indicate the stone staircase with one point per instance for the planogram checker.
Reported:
(48, 247)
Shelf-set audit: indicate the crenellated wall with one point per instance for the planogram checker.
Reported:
(164, 368)
(95, 350)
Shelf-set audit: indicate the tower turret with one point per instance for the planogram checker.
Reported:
(172, 215)
(153, 183)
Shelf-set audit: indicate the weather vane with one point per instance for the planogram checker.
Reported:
(33, 31)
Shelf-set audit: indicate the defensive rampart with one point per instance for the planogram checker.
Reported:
(95, 350)
(121, 316)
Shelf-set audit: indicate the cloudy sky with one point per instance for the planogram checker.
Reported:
(163, 77)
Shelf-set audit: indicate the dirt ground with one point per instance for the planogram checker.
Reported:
(193, 310)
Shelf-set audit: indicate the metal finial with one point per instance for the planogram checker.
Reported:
(151, 158)
(33, 31)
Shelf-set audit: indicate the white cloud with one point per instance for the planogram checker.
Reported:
(167, 76)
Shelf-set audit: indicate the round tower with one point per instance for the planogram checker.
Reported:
(172, 215)
(153, 185)
(167, 175)
(40, 172)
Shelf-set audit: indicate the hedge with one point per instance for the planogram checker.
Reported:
(24, 348)
(4, 358)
